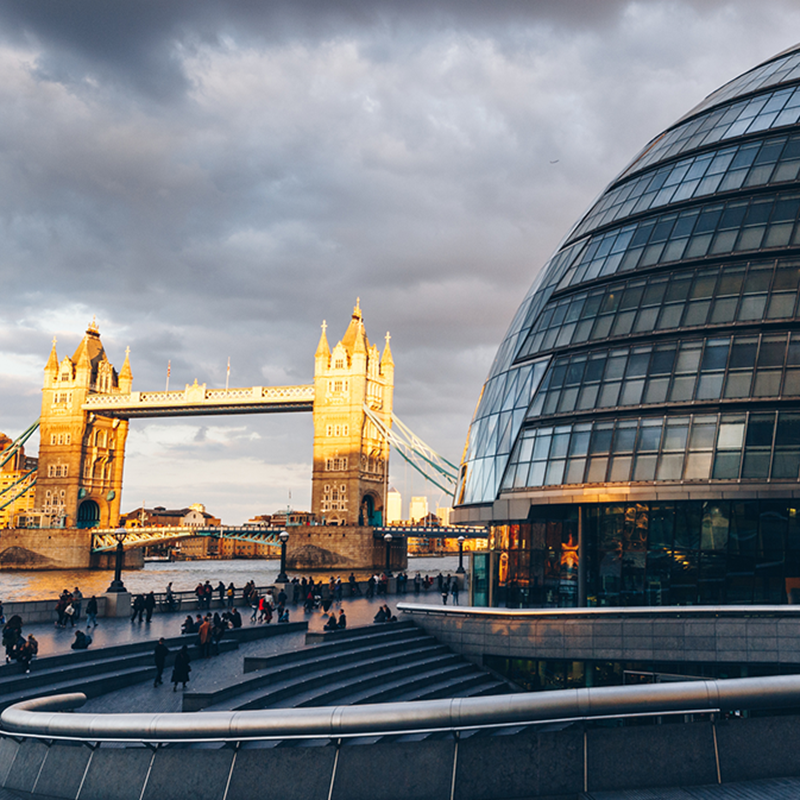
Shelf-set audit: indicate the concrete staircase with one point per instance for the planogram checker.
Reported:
(372, 664)
(96, 672)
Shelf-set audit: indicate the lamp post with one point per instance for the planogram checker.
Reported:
(282, 577)
(117, 585)
(461, 540)
(387, 537)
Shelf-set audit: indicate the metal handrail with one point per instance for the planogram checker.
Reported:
(44, 716)
(605, 611)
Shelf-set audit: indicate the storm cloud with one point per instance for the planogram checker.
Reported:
(213, 179)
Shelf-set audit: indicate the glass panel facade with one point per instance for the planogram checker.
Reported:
(762, 162)
(685, 372)
(683, 553)
(761, 446)
(656, 359)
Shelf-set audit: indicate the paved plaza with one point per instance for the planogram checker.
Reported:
(207, 674)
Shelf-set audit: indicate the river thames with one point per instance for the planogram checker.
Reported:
(185, 575)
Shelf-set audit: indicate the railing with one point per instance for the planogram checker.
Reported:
(200, 395)
(104, 541)
(44, 717)
(606, 611)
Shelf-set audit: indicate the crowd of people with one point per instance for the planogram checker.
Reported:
(209, 628)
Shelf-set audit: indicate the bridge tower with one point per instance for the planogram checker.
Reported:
(351, 458)
(81, 454)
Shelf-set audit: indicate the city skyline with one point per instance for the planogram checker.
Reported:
(213, 183)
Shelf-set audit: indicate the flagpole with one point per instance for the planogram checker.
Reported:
(169, 365)
(228, 374)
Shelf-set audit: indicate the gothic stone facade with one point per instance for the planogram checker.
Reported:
(80, 454)
(351, 457)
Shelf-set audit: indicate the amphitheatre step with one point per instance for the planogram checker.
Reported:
(288, 681)
(273, 669)
(99, 669)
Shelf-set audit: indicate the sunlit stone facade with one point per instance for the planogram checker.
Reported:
(637, 440)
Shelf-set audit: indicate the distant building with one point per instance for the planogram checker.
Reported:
(394, 507)
(11, 472)
(444, 514)
(418, 509)
(194, 516)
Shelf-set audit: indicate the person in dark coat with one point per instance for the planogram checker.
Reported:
(149, 605)
(160, 658)
(181, 669)
(82, 640)
(138, 608)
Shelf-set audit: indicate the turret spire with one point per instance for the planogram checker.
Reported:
(323, 349)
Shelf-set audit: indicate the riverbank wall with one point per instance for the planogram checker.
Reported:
(345, 547)
(57, 548)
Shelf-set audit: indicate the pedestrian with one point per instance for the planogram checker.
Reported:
(91, 612)
(342, 624)
(208, 593)
(160, 657)
(221, 592)
(231, 592)
(77, 602)
(181, 668)
(138, 608)
(12, 633)
(417, 583)
(69, 613)
(82, 640)
(445, 591)
(149, 605)
(454, 591)
(27, 651)
(204, 637)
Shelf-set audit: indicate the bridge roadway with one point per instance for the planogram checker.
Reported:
(104, 539)
(197, 400)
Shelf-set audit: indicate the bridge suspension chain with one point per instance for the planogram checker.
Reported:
(8, 454)
(28, 485)
(423, 458)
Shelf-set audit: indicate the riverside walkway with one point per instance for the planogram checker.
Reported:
(207, 674)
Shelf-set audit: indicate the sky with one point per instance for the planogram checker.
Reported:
(212, 180)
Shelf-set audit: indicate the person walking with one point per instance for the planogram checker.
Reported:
(204, 637)
(77, 602)
(181, 668)
(91, 612)
(445, 590)
(231, 593)
(160, 658)
(149, 605)
(454, 591)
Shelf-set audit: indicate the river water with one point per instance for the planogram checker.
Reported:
(185, 575)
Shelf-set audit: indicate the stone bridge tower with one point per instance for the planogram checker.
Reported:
(351, 458)
(81, 454)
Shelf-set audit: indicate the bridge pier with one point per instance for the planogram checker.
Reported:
(341, 547)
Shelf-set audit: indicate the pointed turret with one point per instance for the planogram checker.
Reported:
(51, 367)
(125, 379)
(323, 355)
(386, 358)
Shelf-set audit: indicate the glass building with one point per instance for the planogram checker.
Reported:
(637, 441)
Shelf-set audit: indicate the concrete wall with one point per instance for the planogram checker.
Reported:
(545, 764)
(770, 635)
(45, 548)
(345, 548)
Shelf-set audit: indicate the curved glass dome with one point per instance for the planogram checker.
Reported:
(660, 345)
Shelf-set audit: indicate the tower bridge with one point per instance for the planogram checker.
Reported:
(87, 405)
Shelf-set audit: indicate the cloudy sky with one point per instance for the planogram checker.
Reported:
(214, 179)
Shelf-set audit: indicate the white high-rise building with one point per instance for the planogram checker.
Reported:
(418, 508)
(444, 515)
(394, 507)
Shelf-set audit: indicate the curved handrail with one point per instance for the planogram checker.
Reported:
(44, 716)
(604, 611)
